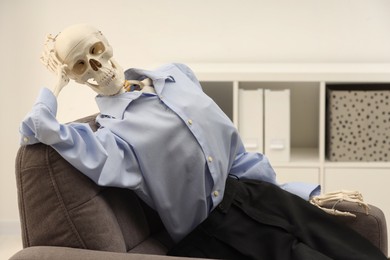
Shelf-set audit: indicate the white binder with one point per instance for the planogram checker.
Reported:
(277, 125)
(250, 119)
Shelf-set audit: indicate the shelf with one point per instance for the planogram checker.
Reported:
(330, 72)
(308, 155)
(301, 157)
(307, 84)
(366, 165)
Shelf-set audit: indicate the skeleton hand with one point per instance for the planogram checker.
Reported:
(52, 63)
(62, 80)
(337, 197)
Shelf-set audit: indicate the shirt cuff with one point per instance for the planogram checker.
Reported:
(28, 127)
(303, 190)
(47, 98)
(27, 140)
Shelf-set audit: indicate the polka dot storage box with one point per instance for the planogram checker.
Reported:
(358, 122)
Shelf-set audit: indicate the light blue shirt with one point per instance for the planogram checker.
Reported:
(174, 148)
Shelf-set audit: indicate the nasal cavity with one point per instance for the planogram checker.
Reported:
(95, 64)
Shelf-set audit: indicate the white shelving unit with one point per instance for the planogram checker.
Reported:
(307, 84)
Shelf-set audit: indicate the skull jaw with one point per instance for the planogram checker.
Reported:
(109, 87)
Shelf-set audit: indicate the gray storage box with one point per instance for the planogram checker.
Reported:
(358, 122)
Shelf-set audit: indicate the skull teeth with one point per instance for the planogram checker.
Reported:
(107, 77)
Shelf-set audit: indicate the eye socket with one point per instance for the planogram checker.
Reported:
(97, 48)
(79, 67)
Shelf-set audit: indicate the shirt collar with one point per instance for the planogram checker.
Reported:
(159, 77)
(139, 74)
(115, 106)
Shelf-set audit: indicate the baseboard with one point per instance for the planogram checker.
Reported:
(10, 227)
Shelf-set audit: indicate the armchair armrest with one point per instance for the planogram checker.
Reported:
(372, 226)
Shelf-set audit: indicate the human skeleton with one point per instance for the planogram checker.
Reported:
(82, 53)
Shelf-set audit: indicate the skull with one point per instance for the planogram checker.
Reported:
(88, 57)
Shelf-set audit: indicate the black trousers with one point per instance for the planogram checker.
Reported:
(258, 220)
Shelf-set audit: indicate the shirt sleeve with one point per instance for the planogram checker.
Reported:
(99, 155)
(255, 166)
(301, 189)
(189, 73)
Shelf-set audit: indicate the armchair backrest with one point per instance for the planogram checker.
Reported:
(59, 206)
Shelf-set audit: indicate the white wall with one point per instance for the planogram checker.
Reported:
(150, 32)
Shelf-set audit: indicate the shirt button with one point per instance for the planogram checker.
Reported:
(210, 159)
(25, 139)
(189, 121)
(216, 193)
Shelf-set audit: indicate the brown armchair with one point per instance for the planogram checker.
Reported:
(64, 215)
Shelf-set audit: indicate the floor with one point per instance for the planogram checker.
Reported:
(9, 245)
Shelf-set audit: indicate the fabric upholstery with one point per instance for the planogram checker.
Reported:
(66, 253)
(59, 206)
(372, 226)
